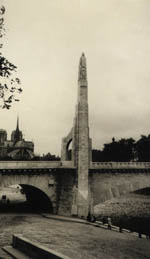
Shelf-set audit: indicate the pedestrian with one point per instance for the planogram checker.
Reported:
(93, 218)
(89, 217)
(140, 235)
(120, 229)
(120, 225)
(103, 220)
(109, 223)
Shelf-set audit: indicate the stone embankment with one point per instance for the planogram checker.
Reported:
(132, 211)
(131, 205)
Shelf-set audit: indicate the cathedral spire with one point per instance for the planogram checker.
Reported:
(17, 133)
(17, 127)
(82, 68)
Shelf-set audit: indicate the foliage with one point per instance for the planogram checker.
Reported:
(97, 155)
(9, 85)
(124, 150)
(143, 148)
(119, 151)
(49, 157)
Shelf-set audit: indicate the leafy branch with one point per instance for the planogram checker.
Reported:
(9, 85)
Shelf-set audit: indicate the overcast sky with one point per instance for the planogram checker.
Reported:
(45, 38)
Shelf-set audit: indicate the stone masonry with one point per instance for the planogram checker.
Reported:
(81, 144)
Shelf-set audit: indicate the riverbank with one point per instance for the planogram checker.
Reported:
(131, 211)
(73, 239)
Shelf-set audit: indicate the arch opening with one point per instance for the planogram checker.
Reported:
(25, 198)
(69, 150)
(36, 199)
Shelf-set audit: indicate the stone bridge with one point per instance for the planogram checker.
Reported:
(49, 184)
(54, 184)
(112, 179)
(74, 185)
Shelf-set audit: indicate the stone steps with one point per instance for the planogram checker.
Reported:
(14, 253)
(23, 248)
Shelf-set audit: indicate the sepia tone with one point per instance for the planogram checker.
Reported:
(74, 207)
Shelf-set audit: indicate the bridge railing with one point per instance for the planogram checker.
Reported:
(119, 165)
(34, 164)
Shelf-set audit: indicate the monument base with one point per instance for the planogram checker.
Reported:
(82, 210)
(74, 210)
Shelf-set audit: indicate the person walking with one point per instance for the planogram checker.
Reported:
(104, 220)
(109, 223)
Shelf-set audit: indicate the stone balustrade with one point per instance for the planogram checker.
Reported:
(120, 165)
(35, 164)
(68, 164)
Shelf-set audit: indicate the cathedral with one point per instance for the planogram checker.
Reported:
(16, 148)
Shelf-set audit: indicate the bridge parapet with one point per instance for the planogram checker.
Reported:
(67, 164)
(35, 164)
(120, 165)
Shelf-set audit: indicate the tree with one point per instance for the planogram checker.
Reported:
(49, 157)
(142, 148)
(118, 151)
(97, 156)
(9, 85)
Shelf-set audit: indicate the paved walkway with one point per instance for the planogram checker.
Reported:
(73, 237)
(64, 218)
(96, 224)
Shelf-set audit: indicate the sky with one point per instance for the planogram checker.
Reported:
(45, 39)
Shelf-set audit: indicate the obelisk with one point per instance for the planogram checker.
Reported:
(82, 145)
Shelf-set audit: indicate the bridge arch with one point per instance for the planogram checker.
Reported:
(69, 151)
(36, 198)
(65, 156)
(40, 191)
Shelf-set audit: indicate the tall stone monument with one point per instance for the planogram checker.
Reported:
(81, 143)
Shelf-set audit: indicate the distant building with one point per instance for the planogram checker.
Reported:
(16, 148)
